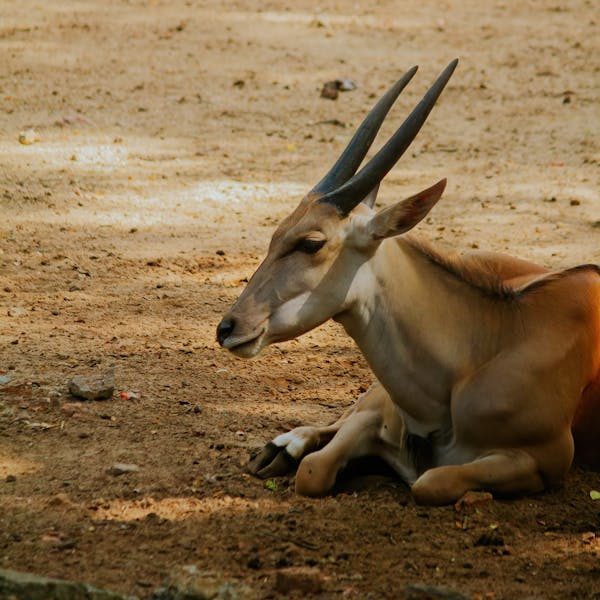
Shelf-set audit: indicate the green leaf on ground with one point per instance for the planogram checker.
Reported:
(271, 485)
(595, 495)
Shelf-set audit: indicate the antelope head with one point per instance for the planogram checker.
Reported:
(310, 273)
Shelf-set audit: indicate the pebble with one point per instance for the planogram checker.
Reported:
(60, 499)
(14, 584)
(418, 591)
(472, 500)
(16, 311)
(346, 85)
(122, 468)
(10, 479)
(28, 137)
(307, 580)
(4, 379)
(331, 89)
(490, 538)
(73, 409)
(189, 583)
(93, 388)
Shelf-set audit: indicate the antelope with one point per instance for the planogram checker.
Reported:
(487, 367)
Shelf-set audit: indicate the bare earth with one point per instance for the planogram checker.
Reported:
(171, 138)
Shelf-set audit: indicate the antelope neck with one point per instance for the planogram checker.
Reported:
(416, 327)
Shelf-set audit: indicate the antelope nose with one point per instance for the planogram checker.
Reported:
(224, 329)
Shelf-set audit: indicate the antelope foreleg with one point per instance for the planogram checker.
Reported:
(356, 437)
(283, 454)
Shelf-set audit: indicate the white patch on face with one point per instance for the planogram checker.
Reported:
(289, 315)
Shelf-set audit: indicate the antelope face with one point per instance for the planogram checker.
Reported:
(298, 286)
(315, 253)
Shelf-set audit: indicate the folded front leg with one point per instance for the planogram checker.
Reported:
(374, 428)
(283, 454)
(355, 438)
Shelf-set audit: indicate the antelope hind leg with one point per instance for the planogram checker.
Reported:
(502, 471)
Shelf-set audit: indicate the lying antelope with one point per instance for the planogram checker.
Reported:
(487, 366)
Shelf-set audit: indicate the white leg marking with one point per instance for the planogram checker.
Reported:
(294, 443)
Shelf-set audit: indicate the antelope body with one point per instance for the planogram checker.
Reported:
(486, 365)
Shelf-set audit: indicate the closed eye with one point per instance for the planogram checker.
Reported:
(309, 246)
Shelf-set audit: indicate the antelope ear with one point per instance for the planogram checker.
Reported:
(371, 197)
(404, 215)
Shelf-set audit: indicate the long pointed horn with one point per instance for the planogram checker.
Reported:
(350, 194)
(360, 143)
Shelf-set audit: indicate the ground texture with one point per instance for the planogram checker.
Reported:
(168, 140)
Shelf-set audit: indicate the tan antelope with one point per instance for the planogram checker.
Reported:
(487, 366)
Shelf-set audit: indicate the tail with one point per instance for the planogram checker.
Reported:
(586, 427)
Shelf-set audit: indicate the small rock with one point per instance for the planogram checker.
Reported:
(10, 479)
(307, 580)
(72, 409)
(490, 538)
(575, 202)
(93, 388)
(189, 583)
(346, 85)
(122, 468)
(4, 379)
(471, 500)
(418, 591)
(60, 499)
(66, 545)
(588, 537)
(14, 584)
(16, 311)
(330, 90)
(28, 137)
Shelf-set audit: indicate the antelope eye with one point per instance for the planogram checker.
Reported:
(309, 246)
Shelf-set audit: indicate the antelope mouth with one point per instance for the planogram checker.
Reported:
(245, 346)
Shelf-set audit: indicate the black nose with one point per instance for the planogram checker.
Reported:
(224, 329)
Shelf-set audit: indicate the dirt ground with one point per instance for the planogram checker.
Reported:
(170, 137)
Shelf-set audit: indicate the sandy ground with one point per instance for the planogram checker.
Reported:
(168, 131)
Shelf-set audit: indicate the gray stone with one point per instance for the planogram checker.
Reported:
(418, 591)
(189, 583)
(27, 586)
(93, 388)
(122, 468)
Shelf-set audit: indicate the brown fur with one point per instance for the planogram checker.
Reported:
(586, 426)
(486, 276)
